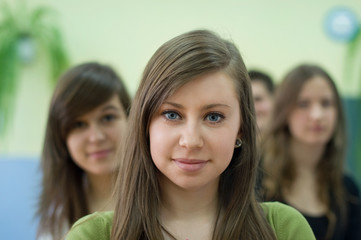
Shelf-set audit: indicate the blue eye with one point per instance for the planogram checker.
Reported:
(214, 117)
(170, 115)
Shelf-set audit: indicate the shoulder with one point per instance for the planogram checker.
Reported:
(353, 208)
(287, 222)
(94, 226)
(277, 212)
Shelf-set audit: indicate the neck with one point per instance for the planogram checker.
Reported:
(189, 214)
(99, 192)
(303, 193)
(180, 202)
(305, 156)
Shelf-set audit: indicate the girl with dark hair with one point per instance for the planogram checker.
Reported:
(188, 171)
(304, 155)
(262, 90)
(87, 118)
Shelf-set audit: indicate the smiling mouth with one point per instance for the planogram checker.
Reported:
(190, 165)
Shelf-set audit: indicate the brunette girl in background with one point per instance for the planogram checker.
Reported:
(304, 155)
(263, 92)
(87, 118)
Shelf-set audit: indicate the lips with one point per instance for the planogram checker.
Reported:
(100, 154)
(317, 128)
(190, 165)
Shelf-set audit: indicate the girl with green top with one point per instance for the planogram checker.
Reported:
(189, 161)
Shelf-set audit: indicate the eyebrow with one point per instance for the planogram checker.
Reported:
(177, 105)
(109, 107)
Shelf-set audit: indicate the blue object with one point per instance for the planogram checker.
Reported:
(19, 191)
(341, 24)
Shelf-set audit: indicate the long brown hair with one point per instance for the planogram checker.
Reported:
(279, 169)
(80, 90)
(137, 188)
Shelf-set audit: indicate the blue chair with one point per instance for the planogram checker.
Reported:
(19, 190)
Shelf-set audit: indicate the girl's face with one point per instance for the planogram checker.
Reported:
(193, 133)
(263, 101)
(93, 141)
(313, 119)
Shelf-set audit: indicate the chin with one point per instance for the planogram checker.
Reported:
(103, 171)
(317, 142)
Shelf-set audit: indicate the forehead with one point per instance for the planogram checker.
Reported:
(211, 86)
(112, 104)
(316, 87)
(259, 88)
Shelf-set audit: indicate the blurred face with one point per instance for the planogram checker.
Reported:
(193, 134)
(313, 119)
(93, 140)
(263, 101)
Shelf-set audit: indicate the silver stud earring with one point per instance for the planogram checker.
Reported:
(238, 143)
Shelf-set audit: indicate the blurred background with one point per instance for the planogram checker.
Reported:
(273, 36)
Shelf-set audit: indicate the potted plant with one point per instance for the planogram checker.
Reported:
(21, 33)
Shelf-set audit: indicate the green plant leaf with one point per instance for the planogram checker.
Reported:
(37, 17)
(51, 39)
(13, 26)
(8, 75)
(58, 56)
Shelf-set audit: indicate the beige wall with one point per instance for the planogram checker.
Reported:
(271, 35)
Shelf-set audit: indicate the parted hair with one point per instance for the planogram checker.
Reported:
(78, 91)
(278, 165)
(137, 189)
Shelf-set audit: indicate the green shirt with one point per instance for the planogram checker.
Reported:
(286, 221)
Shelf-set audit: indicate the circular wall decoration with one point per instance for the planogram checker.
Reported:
(341, 24)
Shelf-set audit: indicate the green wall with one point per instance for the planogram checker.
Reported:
(272, 35)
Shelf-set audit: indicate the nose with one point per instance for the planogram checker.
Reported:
(316, 111)
(96, 133)
(191, 136)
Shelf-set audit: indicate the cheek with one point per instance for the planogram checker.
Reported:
(223, 144)
(73, 144)
(263, 107)
(333, 119)
(268, 106)
(224, 152)
(159, 140)
(258, 106)
(294, 123)
(117, 131)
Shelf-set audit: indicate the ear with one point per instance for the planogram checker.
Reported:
(239, 135)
